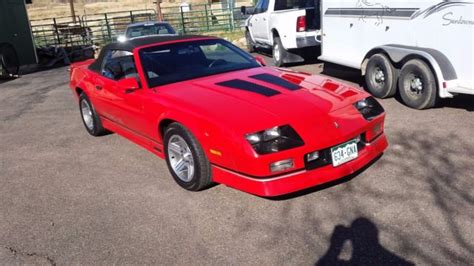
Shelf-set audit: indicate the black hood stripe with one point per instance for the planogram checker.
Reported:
(248, 86)
(275, 80)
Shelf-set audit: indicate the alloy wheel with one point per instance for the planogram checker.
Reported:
(180, 158)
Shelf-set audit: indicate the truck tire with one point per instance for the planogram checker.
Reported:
(250, 44)
(278, 52)
(417, 85)
(381, 77)
(9, 62)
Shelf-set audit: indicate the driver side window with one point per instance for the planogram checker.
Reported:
(261, 7)
(118, 65)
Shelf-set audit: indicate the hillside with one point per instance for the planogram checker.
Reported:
(41, 9)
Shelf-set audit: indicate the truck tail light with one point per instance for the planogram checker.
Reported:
(301, 24)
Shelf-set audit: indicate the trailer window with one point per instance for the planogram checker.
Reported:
(293, 4)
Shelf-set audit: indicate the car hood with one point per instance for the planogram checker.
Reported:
(311, 104)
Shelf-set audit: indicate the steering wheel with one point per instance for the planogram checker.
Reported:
(217, 62)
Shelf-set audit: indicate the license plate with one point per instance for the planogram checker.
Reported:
(344, 153)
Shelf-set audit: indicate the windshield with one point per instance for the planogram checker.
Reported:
(164, 64)
(149, 29)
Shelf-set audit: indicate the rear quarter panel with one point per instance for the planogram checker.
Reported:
(80, 75)
(284, 22)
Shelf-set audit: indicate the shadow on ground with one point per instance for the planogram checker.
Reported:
(342, 72)
(30, 69)
(363, 237)
(421, 205)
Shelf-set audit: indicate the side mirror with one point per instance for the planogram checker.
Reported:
(121, 38)
(128, 85)
(243, 10)
(260, 60)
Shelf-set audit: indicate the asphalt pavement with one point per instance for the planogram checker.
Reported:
(69, 198)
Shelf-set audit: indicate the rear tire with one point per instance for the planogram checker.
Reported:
(381, 77)
(250, 44)
(90, 118)
(417, 85)
(186, 159)
(278, 52)
(9, 62)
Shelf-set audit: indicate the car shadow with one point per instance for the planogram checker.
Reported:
(363, 237)
(30, 69)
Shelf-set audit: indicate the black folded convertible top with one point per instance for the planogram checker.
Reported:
(131, 44)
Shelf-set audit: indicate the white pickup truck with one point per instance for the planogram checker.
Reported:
(285, 26)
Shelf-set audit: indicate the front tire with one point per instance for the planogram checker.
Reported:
(278, 52)
(250, 44)
(381, 77)
(417, 85)
(90, 118)
(185, 158)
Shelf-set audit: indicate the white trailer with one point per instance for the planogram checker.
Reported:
(423, 49)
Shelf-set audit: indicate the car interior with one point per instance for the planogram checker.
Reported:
(118, 67)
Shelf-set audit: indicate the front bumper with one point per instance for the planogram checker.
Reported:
(288, 183)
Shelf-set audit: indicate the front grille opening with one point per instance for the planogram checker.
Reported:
(325, 157)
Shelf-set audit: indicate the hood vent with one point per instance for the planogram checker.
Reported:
(248, 86)
(275, 80)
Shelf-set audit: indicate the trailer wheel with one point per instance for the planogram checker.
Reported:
(417, 85)
(278, 52)
(381, 77)
(9, 62)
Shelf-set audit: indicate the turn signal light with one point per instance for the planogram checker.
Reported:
(301, 24)
(374, 132)
(281, 166)
(312, 156)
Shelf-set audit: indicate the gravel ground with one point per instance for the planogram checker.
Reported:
(67, 197)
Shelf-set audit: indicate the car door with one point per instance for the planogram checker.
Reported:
(124, 107)
(257, 22)
(263, 28)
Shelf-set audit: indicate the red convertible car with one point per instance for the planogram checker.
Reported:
(217, 114)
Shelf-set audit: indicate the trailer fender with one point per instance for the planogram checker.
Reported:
(439, 63)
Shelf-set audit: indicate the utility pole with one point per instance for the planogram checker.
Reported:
(73, 13)
(159, 15)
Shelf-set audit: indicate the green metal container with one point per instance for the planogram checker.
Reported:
(15, 30)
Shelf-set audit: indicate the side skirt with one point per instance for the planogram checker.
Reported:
(150, 145)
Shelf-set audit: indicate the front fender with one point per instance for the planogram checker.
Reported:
(217, 141)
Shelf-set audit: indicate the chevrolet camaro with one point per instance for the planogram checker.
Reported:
(216, 114)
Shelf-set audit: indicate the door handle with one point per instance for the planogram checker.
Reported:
(264, 19)
(128, 91)
(98, 87)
